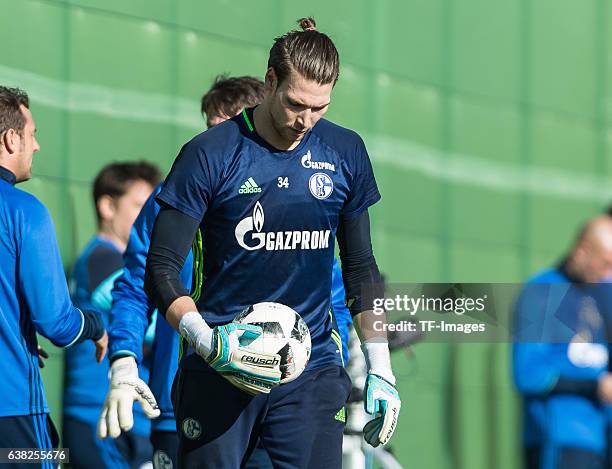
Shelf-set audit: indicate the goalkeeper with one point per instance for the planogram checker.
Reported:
(119, 190)
(132, 310)
(315, 181)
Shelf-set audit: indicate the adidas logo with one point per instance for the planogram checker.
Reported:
(249, 187)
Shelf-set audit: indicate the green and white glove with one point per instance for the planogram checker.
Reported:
(381, 399)
(125, 388)
(225, 348)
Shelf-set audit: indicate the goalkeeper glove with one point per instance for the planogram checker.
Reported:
(125, 388)
(225, 348)
(380, 396)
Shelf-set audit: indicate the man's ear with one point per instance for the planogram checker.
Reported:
(106, 207)
(581, 254)
(271, 80)
(10, 140)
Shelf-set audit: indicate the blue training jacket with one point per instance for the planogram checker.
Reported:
(549, 314)
(132, 313)
(33, 298)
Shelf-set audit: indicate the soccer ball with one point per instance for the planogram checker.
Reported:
(284, 332)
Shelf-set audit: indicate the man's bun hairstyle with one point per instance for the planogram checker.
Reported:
(308, 52)
(307, 24)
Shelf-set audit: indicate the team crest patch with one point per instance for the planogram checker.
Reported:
(321, 185)
(192, 428)
(161, 460)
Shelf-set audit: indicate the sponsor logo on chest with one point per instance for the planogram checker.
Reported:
(309, 164)
(250, 235)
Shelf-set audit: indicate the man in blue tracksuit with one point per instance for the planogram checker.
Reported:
(560, 355)
(132, 309)
(33, 292)
(119, 191)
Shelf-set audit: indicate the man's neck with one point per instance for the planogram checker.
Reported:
(262, 120)
(569, 267)
(7, 175)
(111, 237)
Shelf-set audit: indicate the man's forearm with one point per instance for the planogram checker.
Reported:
(360, 273)
(374, 344)
(172, 236)
(178, 309)
(365, 326)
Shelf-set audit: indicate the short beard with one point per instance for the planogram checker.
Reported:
(25, 173)
(280, 130)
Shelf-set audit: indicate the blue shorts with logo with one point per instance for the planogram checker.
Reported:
(299, 424)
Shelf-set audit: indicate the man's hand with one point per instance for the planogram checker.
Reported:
(42, 356)
(381, 400)
(125, 388)
(604, 388)
(225, 348)
(380, 396)
(101, 347)
(252, 372)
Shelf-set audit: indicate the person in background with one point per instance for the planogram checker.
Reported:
(119, 192)
(34, 296)
(560, 355)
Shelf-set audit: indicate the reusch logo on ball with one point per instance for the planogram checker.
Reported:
(260, 361)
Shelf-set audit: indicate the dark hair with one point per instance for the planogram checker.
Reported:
(10, 114)
(115, 178)
(309, 52)
(228, 95)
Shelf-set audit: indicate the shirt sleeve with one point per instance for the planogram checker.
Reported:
(533, 369)
(189, 186)
(363, 190)
(42, 281)
(132, 309)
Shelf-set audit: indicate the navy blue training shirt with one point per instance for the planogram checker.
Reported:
(269, 219)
